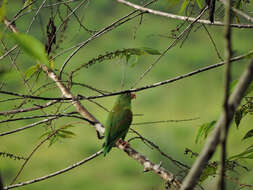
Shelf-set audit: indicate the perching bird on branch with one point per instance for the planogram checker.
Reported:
(118, 121)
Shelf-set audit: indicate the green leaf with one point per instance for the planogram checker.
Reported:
(183, 6)
(150, 51)
(127, 58)
(247, 154)
(2, 10)
(31, 70)
(200, 3)
(238, 117)
(204, 130)
(210, 170)
(66, 134)
(45, 134)
(248, 134)
(67, 126)
(135, 61)
(53, 140)
(31, 46)
(27, 2)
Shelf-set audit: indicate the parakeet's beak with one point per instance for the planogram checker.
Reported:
(133, 96)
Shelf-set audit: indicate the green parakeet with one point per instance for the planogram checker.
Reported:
(118, 121)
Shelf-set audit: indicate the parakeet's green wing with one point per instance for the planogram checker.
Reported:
(118, 124)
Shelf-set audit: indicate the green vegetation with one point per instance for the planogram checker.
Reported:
(197, 96)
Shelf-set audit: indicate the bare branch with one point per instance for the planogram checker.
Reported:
(178, 38)
(81, 109)
(150, 166)
(32, 153)
(244, 15)
(22, 110)
(213, 140)
(164, 121)
(184, 18)
(55, 173)
(28, 126)
(50, 115)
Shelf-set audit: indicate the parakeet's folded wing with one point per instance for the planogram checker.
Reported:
(118, 123)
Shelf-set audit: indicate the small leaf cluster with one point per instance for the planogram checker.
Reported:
(125, 53)
(204, 130)
(11, 156)
(59, 134)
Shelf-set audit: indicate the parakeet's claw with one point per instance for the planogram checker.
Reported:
(122, 142)
(133, 96)
(125, 144)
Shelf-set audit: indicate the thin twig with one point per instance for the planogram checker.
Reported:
(164, 121)
(28, 126)
(49, 115)
(32, 153)
(212, 40)
(22, 110)
(177, 39)
(80, 97)
(237, 11)
(55, 173)
(177, 163)
(178, 17)
(98, 34)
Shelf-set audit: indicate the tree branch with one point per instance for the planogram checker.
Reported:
(80, 97)
(21, 110)
(178, 17)
(55, 173)
(227, 109)
(213, 140)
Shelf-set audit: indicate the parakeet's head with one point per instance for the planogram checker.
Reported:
(125, 99)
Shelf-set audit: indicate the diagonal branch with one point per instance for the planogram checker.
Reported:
(213, 140)
(55, 173)
(81, 109)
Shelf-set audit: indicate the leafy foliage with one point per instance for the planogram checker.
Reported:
(247, 154)
(2, 10)
(32, 70)
(28, 2)
(248, 134)
(11, 156)
(186, 3)
(243, 110)
(125, 53)
(204, 130)
(210, 170)
(31, 46)
(59, 134)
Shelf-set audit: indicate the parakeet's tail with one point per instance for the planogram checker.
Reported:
(107, 149)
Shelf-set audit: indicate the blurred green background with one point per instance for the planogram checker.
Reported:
(198, 96)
